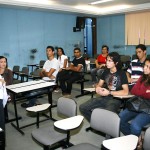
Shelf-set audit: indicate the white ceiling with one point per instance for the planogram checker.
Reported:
(80, 6)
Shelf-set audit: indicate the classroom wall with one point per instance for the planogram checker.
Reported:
(23, 30)
(111, 31)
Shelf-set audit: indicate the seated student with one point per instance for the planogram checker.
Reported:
(135, 69)
(7, 75)
(72, 73)
(139, 119)
(49, 71)
(116, 84)
(63, 63)
(2, 120)
(100, 65)
(5, 72)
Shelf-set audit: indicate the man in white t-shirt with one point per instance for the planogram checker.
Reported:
(49, 72)
(51, 66)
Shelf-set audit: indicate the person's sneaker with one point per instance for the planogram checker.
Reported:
(56, 90)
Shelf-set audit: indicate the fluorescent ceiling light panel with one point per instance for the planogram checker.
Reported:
(47, 2)
(114, 8)
(88, 8)
(101, 1)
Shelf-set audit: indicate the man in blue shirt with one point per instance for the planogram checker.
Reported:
(135, 69)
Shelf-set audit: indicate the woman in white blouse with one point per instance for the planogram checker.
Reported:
(63, 63)
(62, 58)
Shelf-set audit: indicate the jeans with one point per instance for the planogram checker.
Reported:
(138, 121)
(96, 74)
(2, 120)
(107, 102)
(66, 79)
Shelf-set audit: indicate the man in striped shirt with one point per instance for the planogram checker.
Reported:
(135, 69)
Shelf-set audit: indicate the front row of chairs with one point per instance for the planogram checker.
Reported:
(58, 135)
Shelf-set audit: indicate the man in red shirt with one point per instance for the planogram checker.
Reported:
(100, 65)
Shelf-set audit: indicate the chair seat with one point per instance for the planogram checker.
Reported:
(84, 146)
(38, 108)
(48, 136)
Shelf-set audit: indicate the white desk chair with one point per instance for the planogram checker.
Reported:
(38, 109)
(104, 121)
(146, 143)
(128, 142)
(59, 134)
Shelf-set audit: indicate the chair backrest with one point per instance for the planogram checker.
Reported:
(25, 70)
(41, 64)
(36, 72)
(105, 121)
(16, 68)
(146, 143)
(125, 58)
(134, 56)
(67, 107)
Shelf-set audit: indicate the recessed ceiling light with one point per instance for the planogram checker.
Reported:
(101, 1)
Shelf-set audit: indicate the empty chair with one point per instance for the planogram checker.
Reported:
(15, 70)
(41, 64)
(134, 56)
(146, 143)
(125, 60)
(23, 74)
(59, 133)
(38, 109)
(104, 121)
(35, 74)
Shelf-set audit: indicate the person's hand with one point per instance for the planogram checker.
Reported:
(102, 91)
(147, 91)
(60, 69)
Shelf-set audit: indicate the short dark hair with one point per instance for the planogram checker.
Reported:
(116, 59)
(106, 47)
(77, 48)
(51, 47)
(141, 46)
(1, 57)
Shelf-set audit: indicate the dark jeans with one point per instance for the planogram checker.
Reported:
(2, 118)
(107, 102)
(66, 78)
(138, 121)
(32, 96)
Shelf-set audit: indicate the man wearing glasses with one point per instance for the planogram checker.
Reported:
(116, 85)
(72, 73)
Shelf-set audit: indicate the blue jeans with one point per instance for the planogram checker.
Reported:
(138, 121)
(107, 102)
